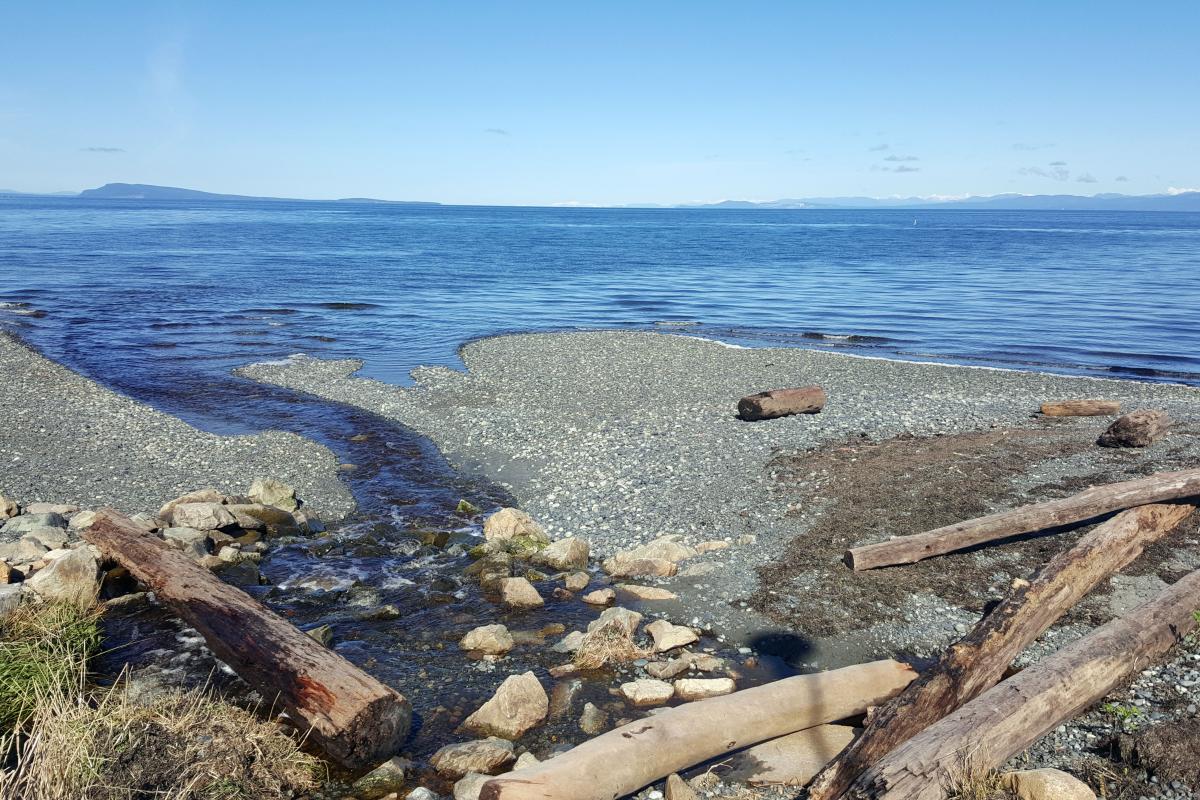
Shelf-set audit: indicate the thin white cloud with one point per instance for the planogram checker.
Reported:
(102, 149)
(1173, 190)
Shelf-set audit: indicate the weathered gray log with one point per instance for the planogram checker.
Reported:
(1140, 428)
(624, 760)
(1081, 408)
(781, 403)
(1011, 716)
(1089, 504)
(979, 659)
(354, 718)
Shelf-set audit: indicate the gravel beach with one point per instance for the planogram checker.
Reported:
(621, 437)
(65, 439)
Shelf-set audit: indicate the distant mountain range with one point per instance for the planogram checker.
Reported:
(1178, 201)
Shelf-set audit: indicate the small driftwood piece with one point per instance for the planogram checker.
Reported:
(624, 760)
(1140, 428)
(978, 661)
(1081, 408)
(1009, 717)
(352, 717)
(781, 403)
(1089, 504)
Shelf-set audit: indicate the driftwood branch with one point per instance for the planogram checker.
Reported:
(1080, 408)
(1009, 717)
(353, 717)
(624, 760)
(979, 660)
(1089, 504)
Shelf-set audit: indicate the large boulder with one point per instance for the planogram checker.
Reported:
(486, 756)
(201, 516)
(198, 496)
(19, 526)
(275, 493)
(72, 578)
(519, 593)
(513, 523)
(565, 554)
(518, 705)
(492, 640)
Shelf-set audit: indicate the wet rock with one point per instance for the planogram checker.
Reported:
(240, 573)
(647, 692)
(519, 593)
(388, 777)
(624, 618)
(599, 597)
(488, 756)
(647, 592)
(466, 508)
(198, 496)
(640, 568)
(563, 695)
(570, 643)
(492, 640)
(592, 721)
(324, 635)
(8, 507)
(518, 705)
(577, 581)
(1140, 428)
(690, 689)
(1047, 784)
(512, 523)
(201, 516)
(569, 553)
(19, 526)
(470, 785)
(22, 551)
(275, 493)
(71, 579)
(668, 636)
(678, 789)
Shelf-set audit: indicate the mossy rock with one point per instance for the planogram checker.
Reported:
(466, 508)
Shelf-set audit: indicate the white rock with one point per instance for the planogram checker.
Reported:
(70, 579)
(570, 553)
(647, 692)
(493, 640)
(510, 523)
(518, 705)
(1047, 784)
(201, 516)
(668, 636)
(700, 688)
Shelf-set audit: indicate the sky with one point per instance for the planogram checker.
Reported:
(525, 103)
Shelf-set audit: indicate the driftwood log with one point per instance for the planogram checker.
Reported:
(624, 760)
(781, 403)
(1009, 717)
(354, 718)
(1089, 504)
(1140, 428)
(978, 661)
(1081, 408)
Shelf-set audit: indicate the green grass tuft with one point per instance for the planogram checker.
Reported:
(43, 651)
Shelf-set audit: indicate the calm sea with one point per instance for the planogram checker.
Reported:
(161, 299)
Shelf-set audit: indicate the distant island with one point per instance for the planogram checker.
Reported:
(1174, 201)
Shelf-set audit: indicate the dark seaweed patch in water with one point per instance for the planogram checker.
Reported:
(346, 306)
(279, 311)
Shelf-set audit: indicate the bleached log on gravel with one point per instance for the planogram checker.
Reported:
(1089, 504)
(1011, 716)
(1081, 408)
(354, 718)
(624, 760)
(978, 661)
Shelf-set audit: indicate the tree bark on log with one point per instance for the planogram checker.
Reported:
(1009, 717)
(352, 717)
(976, 662)
(1081, 408)
(624, 760)
(1089, 504)
(781, 403)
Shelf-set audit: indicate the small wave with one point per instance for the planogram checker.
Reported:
(339, 306)
(280, 311)
(854, 338)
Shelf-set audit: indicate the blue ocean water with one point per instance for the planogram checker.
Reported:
(161, 299)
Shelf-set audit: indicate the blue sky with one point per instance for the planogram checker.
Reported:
(601, 103)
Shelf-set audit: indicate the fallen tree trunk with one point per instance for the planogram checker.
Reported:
(1089, 504)
(1081, 408)
(624, 760)
(353, 717)
(781, 403)
(977, 662)
(1009, 717)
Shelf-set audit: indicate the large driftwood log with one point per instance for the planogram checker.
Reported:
(624, 760)
(1080, 408)
(1140, 428)
(1089, 504)
(1009, 717)
(978, 661)
(781, 403)
(354, 718)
